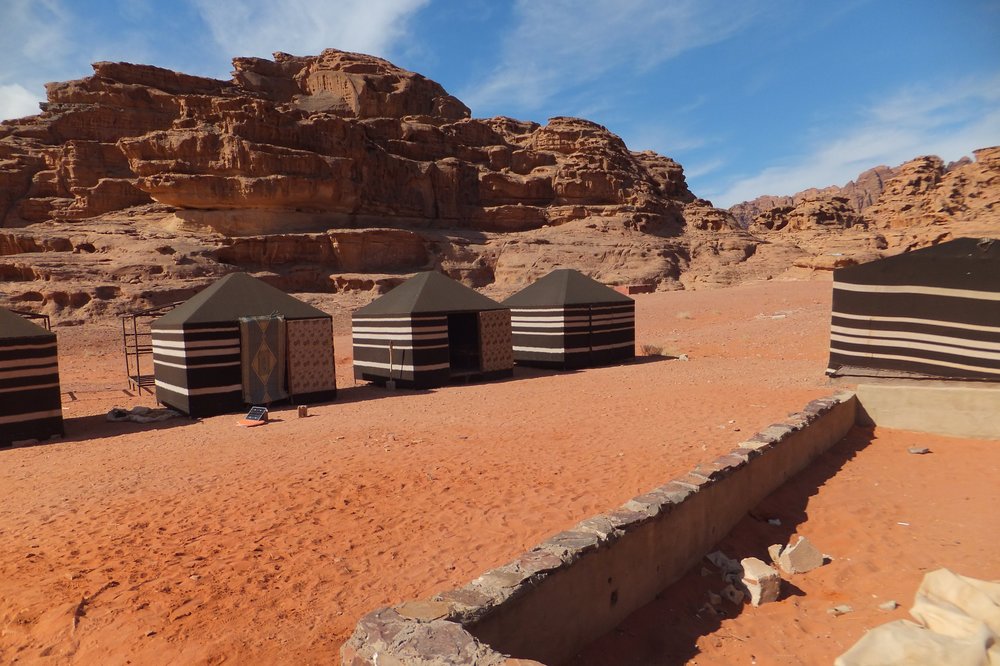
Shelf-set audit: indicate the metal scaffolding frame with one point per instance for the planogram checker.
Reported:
(31, 315)
(137, 343)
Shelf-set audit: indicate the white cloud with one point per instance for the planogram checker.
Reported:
(17, 102)
(306, 27)
(36, 37)
(703, 168)
(559, 44)
(949, 121)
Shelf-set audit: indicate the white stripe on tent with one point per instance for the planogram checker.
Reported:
(30, 372)
(400, 329)
(181, 366)
(561, 319)
(916, 359)
(522, 331)
(37, 346)
(33, 416)
(396, 336)
(180, 353)
(196, 344)
(198, 391)
(395, 347)
(396, 366)
(916, 320)
(912, 335)
(942, 349)
(185, 331)
(571, 331)
(575, 350)
(917, 289)
(28, 388)
(379, 319)
(528, 310)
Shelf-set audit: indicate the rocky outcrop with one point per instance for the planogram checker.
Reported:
(858, 194)
(920, 203)
(137, 185)
(326, 173)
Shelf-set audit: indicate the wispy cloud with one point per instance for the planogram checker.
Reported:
(306, 27)
(557, 45)
(700, 169)
(949, 121)
(35, 38)
(17, 102)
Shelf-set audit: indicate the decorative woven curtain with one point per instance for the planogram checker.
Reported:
(262, 356)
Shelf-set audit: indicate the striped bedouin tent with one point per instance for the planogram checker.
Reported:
(568, 320)
(933, 312)
(241, 341)
(30, 402)
(430, 331)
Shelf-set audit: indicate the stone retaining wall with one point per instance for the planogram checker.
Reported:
(574, 587)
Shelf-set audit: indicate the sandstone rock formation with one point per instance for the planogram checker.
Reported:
(859, 195)
(342, 172)
(885, 211)
(333, 172)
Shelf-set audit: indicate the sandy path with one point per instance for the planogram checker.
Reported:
(202, 542)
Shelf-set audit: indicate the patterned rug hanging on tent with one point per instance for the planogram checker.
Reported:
(262, 356)
(495, 343)
(310, 356)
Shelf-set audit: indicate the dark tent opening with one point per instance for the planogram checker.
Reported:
(463, 343)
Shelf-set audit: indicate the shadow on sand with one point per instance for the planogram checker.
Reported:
(666, 631)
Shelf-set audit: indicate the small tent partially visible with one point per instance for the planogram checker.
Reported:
(429, 331)
(568, 320)
(241, 341)
(934, 312)
(30, 402)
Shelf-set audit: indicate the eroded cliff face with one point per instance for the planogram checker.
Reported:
(342, 172)
(137, 185)
(885, 211)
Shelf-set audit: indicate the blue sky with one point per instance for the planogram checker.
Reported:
(752, 97)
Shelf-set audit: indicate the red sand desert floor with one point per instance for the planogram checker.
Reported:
(203, 542)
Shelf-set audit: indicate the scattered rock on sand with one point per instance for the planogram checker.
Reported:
(761, 581)
(842, 609)
(733, 594)
(725, 563)
(800, 557)
(889, 605)
(918, 450)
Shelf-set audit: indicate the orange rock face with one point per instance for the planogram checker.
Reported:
(327, 173)
(885, 211)
(138, 185)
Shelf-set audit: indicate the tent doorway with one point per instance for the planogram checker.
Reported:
(463, 343)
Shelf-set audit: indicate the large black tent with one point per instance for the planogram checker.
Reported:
(569, 320)
(30, 403)
(241, 341)
(933, 312)
(431, 330)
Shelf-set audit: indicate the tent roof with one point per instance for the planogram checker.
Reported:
(428, 292)
(13, 326)
(964, 263)
(234, 296)
(565, 286)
